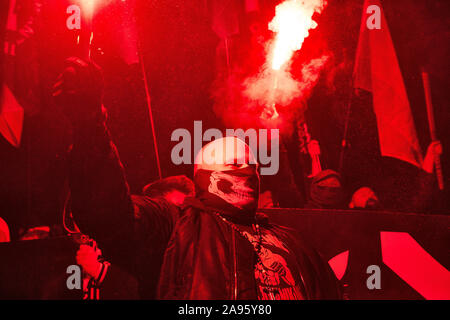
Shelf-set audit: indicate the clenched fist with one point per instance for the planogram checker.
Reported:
(79, 90)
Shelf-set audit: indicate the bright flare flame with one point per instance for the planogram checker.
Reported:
(292, 22)
(88, 7)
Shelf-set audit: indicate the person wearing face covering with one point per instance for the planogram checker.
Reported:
(325, 187)
(239, 254)
(326, 191)
(212, 246)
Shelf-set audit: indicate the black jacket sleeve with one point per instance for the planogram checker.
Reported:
(155, 219)
(132, 231)
(101, 203)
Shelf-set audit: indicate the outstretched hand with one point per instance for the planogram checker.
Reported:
(433, 152)
(313, 148)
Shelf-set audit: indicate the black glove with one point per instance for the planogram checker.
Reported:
(79, 91)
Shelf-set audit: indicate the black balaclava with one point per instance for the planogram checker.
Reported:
(323, 195)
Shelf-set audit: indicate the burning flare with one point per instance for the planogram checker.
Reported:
(292, 22)
(88, 7)
(274, 86)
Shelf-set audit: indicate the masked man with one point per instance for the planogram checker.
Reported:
(214, 247)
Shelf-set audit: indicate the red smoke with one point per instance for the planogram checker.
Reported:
(241, 98)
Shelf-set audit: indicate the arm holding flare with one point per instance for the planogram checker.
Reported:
(101, 202)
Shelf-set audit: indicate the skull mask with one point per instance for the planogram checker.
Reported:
(232, 188)
(227, 169)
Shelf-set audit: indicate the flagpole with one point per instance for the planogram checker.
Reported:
(346, 124)
(432, 125)
(150, 113)
(344, 143)
(227, 52)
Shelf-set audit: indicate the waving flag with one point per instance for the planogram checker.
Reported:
(11, 117)
(11, 112)
(377, 71)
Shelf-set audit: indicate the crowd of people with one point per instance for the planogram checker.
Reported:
(326, 189)
(191, 239)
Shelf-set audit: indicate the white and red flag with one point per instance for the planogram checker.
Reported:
(377, 71)
(11, 112)
(11, 117)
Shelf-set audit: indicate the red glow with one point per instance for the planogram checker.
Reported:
(339, 264)
(292, 22)
(415, 266)
(88, 7)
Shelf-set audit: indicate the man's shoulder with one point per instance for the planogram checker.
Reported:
(154, 206)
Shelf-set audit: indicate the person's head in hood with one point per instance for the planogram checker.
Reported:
(226, 177)
(326, 191)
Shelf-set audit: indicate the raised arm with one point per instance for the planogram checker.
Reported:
(101, 204)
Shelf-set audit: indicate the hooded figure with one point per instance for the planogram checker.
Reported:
(326, 191)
